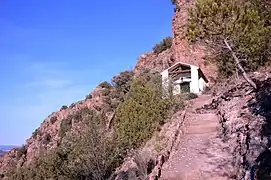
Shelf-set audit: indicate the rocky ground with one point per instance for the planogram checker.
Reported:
(200, 153)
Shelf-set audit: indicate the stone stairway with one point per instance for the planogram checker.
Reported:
(200, 154)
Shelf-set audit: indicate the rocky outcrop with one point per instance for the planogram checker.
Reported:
(244, 120)
(157, 62)
(183, 50)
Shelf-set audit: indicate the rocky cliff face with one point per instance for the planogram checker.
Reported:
(183, 50)
(153, 61)
(245, 120)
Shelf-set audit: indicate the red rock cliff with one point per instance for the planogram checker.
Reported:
(183, 50)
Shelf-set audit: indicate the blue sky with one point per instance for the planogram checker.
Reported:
(55, 52)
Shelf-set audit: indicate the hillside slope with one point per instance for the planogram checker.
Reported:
(46, 137)
(217, 135)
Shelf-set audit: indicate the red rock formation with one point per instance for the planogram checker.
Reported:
(153, 61)
(184, 51)
(181, 50)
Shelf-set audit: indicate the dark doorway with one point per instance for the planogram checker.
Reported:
(185, 87)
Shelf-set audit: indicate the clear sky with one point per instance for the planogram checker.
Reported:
(54, 52)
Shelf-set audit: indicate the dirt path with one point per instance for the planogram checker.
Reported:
(199, 153)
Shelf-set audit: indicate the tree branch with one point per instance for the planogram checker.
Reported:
(240, 67)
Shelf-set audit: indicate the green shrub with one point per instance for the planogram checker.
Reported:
(22, 174)
(105, 92)
(97, 107)
(21, 151)
(173, 2)
(53, 119)
(65, 126)
(105, 84)
(89, 96)
(63, 107)
(123, 81)
(36, 133)
(141, 113)
(95, 153)
(88, 154)
(72, 105)
(115, 93)
(177, 103)
(77, 117)
(165, 44)
(241, 22)
(52, 166)
(46, 139)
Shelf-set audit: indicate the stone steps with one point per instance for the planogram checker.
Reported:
(203, 122)
(201, 129)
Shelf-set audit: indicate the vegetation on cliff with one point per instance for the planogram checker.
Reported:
(87, 149)
(244, 25)
(142, 112)
(165, 44)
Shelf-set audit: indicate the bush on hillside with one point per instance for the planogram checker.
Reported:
(105, 84)
(65, 126)
(141, 113)
(53, 119)
(87, 154)
(115, 94)
(173, 2)
(89, 96)
(72, 105)
(105, 92)
(21, 151)
(177, 103)
(64, 107)
(123, 81)
(21, 174)
(94, 151)
(36, 133)
(165, 44)
(46, 139)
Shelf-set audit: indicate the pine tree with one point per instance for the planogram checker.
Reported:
(237, 32)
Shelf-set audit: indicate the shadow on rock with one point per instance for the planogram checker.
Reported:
(262, 107)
